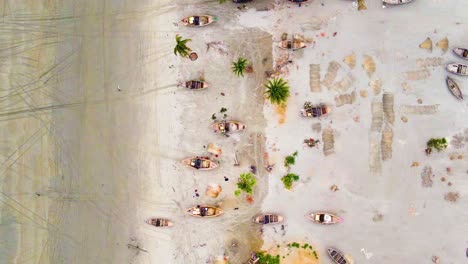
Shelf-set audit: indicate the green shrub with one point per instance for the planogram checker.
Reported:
(290, 160)
(289, 179)
(267, 258)
(245, 183)
(437, 143)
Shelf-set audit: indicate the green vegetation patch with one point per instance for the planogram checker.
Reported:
(265, 258)
(277, 91)
(288, 180)
(437, 143)
(290, 160)
(245, 183)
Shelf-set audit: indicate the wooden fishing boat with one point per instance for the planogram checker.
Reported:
(396, 2)
(199, 21)
(200, 163)
(324, 218)
(461, 52)
(291, 45)
(159, 222)
(457, 68)
(196, 85)
(204, 211)
(454, 88)
(311, 110)
(268, 219)
(241, 1)
(337, 256)
(228, 127)
(298, 1)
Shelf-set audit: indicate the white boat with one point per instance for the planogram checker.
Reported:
(204, 211)
(324, 218)
(454, 88)
(457, 68)
(461, 52)
(199, 21)
(396, 2)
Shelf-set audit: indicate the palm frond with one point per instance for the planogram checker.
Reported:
(181, 47)
(277, 90)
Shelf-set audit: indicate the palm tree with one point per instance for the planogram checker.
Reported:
(277, 90)
(239, 67)
(181, 46)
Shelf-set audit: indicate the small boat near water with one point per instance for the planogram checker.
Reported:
(204, 211)
(268, 219)
(200, 163)
(241, 1)
(291, 45)
(311, 110)
(396, 2)
(461, 52)
(457, 68)
(195, 85)
(298, 1)
(228, 127)
(199, 21)
(454, 88)
(337, 256)
(324, 218)
(159, 222)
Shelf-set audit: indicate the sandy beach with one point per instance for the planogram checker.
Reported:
(94, 125)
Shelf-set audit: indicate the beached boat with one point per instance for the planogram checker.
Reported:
(200, 163)
(268, 219)
(228, 127)
(291, 45)
(461, 52)
(337, 256)
(159, 222)
(396, 2)
(199, 21)
(457, 68)
(324, 218)
(241, 1)
(196, 85)
(204, 211)
(454, 88)
(311, 110)
(298, 1)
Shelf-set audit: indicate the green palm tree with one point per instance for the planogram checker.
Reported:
(181, 46)
(277, 90)
(239, 67)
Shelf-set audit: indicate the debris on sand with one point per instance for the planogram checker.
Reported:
(218, 46)
(334, 188)
(361, 5)
(415, 164)
(315, 78)
(376, 86)
(443, 44)
(436, 259)
(427, 44)
(214, 149)
(388, 101)
(417, 74)
(343, 99)
(377, 115)
(369, 65)
(363, 93)
(377, 217)
(213, 190)
(404, 119)
(452, 197)
(420, 109)
(344, 83)
(350, 60)
(387, 141)
(281, 111)
(328, 141)
(426, 177)
(331, 74)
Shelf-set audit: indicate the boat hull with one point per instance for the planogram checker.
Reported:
(337, 256)
(454, 88)
(198, 21)
(396, 2)
(291, 45)
(200, 163)
(196, 85)
(316, 111)
(204, 211)
(457, 68)
(228, 127)
(268, 219)
(159, 222)
(461, 52)
(328, 218)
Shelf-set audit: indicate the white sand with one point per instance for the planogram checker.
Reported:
(105, 160)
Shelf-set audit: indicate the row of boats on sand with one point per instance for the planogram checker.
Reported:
(207, 211)
(460, 69)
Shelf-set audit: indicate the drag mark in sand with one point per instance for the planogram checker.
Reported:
(426, 177)
(344, 84)
(387, 141)
(331, 74)
(388, 102)
(328, 141)
(343, 99)
(420, 109)
(417, 75)
(377, 116)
